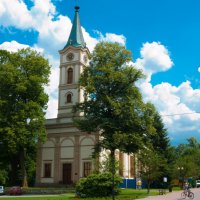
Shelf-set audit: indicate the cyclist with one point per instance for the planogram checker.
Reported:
(187, 192)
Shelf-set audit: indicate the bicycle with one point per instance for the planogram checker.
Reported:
(187, 193)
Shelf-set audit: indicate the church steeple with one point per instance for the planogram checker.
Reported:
(76, 36)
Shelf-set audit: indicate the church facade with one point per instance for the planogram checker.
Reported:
(65, 157)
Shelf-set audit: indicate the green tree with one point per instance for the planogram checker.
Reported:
(160, 141)
(161, 144)
(151, 163)
(187, 163)
(113, 104)
(23, 102)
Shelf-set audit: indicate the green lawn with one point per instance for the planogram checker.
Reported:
(126, 194)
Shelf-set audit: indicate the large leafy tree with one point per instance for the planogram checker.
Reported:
(113, 104)
(23, 102)
(160, 143)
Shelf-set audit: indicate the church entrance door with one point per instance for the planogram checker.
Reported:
(67, 173)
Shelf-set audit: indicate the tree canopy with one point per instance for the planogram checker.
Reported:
(23, 102)
(113, 103)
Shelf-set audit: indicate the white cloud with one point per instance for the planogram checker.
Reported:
(154, 58)
(15, 13)
(52, 108)
(44, 8)
(198, 69)
(111, 37)
(14, 46)
(52, 91)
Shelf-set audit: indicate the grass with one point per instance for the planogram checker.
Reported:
(126, 194)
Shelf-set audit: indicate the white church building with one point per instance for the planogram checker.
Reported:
(65, 157)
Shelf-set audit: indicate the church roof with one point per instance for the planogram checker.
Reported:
(76, 36)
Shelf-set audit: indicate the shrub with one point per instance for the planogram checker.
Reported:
(97, 185)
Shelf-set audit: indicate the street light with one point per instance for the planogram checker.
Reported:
(180, 169)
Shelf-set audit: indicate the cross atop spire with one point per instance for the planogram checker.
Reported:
(76, 36)
(76, 2)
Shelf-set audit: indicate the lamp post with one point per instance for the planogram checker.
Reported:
(180, 169)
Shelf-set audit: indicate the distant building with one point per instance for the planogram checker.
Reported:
(66, 155)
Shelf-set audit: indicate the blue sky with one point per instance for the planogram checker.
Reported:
(164, 37)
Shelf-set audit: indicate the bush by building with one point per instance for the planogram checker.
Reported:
(97, 185)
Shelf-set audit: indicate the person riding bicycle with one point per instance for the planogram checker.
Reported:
(187, 192)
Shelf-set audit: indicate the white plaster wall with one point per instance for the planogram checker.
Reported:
(86, 152)
(48, 154)
(62, 75)
(49, 143)
(67, 152)
(47, 180)
(48, 150)
(77, 73)
(87, 140)
(63, 130)
(67, 149)
(65, 110)
(67, 141)
(61, 58)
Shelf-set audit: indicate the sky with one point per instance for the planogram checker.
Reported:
(164, 37)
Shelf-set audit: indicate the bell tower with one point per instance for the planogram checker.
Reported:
(73, 58)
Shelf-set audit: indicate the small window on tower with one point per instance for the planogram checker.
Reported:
(69, 75)
(69, 98)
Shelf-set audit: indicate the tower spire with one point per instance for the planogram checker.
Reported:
(76, 36)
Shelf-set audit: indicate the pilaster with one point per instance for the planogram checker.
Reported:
(76, 159)
(39, 164)
(57, 160)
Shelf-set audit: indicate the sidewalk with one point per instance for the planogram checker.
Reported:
(173, 195)
(168, 196)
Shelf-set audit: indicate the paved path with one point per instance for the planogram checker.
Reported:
(174, 195)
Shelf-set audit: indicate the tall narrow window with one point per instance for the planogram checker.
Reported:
(69, 98)
(69, 75)
(86, 168)
(47, 170)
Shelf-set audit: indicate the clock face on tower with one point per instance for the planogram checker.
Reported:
(70, 56)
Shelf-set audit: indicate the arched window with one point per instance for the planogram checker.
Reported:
(69, 75)
(69, 98)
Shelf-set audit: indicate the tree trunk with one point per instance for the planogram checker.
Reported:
(14, 173)
(112, 156)
(148, 186)
(23, 168)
